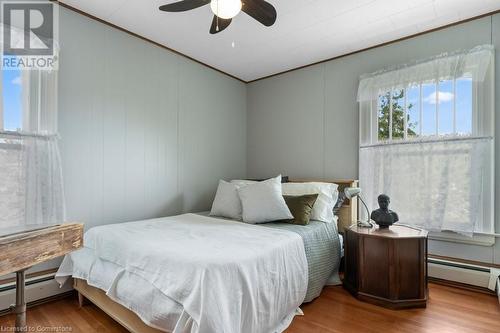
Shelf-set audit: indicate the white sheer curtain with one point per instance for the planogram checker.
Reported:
(40, 159)
(31, 185)
(436, 185)
(438, 182)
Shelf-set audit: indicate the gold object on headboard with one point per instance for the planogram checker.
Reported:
(348, 213)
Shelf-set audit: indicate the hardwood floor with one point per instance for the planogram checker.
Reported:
(448, 310)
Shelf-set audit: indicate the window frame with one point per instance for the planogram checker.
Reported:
(375, 107)
(481, 236)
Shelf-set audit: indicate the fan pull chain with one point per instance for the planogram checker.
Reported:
(217, 24)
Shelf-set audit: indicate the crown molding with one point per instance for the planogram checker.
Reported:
(62, 4)
(381, 45)
(95, 18)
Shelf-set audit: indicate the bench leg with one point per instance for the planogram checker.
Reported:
(19, 309)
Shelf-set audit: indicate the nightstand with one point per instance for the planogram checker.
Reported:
(387, 267)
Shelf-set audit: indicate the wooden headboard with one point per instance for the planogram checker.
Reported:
(348, 213)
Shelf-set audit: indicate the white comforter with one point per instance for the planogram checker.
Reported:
(228, 276)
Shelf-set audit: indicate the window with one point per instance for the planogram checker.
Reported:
(12, 100)
(426, 140)
(440, 108)
(31, 189)
(12, 191)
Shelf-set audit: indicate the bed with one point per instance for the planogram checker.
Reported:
(180, 273)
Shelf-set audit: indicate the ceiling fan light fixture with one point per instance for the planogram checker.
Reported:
(225, 9)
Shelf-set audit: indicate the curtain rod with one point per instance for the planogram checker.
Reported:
(393, 143)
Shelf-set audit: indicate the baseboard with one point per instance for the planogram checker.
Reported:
(459, 275)
(459, 285)
(35, 293)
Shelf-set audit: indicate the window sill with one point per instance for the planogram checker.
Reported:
(448, 236)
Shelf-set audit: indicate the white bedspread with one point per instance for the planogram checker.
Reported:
(228, 276)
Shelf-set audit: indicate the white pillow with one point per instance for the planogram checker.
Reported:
(227, 201)
(323, 207)
(243, 182)
(263, 202)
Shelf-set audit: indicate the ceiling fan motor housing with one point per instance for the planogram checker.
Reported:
(226, 9)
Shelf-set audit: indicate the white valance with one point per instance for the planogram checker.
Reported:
(473, 64)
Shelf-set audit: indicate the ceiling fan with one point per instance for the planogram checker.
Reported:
(225, 10)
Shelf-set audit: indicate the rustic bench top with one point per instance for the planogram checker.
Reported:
(25, 246)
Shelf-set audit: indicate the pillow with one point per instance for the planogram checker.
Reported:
(327, 197)
(301, 207)
(243, 182)
(263, 202)
(227, 202)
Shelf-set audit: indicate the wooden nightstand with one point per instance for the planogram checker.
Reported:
(387, 267)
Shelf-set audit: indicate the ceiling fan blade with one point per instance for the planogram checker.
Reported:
(182, 6)
(260, 10)
(223, 24)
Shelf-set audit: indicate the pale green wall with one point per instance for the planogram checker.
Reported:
(145, 132)
(305, 123)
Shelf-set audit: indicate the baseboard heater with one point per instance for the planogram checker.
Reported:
(486, 278)
(39, 289)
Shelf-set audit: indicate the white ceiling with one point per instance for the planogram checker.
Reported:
(306, 31)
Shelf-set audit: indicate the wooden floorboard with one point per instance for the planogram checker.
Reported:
(449, 310)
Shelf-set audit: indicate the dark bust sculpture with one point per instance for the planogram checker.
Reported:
(383, 216)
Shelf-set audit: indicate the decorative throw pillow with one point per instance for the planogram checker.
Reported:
(227, 201)
(301, 207)
(263, 202)
(328, 194)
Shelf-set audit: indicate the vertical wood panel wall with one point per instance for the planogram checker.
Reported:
(145, 132)
(304, 123)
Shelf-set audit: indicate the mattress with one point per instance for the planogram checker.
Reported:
(322, 249)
